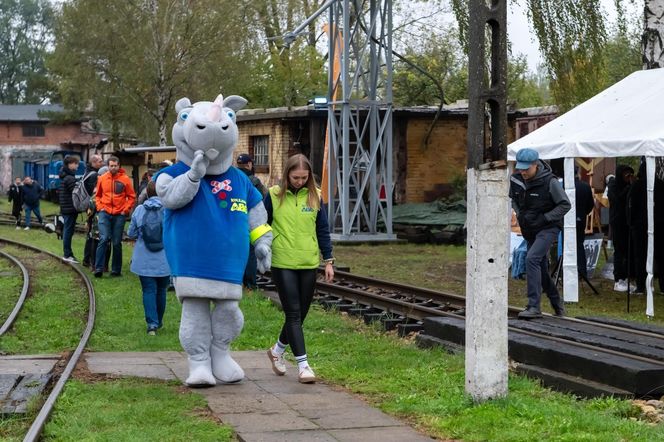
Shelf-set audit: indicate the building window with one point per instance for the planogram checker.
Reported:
(34, 130)
(261, 152)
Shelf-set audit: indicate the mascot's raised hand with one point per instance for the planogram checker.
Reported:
(213, 212)
(199, 166)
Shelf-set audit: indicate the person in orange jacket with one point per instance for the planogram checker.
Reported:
(114, 200)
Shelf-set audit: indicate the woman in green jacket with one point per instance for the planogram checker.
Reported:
(301, 235)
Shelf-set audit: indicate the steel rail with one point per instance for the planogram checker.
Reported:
(444, 296)
(21, 298)
(418, 312)
(39, 422)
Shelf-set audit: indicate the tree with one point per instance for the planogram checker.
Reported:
(133, 60)
(25, 35)
(653, 33)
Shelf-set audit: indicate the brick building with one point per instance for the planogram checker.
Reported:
(28, 134)
(421, 173)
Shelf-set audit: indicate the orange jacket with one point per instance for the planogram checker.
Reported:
(115, 193)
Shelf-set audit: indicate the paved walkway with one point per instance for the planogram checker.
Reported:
(265, 407)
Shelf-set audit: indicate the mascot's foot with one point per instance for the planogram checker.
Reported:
(224, 367)
(200, 374)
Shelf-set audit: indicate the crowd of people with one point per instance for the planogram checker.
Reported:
(540, 204)
(302, 236)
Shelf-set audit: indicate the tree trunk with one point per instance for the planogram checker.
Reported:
(653, 33)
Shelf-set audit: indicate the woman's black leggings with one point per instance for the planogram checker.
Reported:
(296, 290)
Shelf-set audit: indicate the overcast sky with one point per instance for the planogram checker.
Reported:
(524, 42)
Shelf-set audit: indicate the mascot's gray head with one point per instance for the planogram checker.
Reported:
(210, 127)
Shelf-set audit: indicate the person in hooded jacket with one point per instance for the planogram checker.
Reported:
(114, 201)
(151, 267)
(618, 190)
(32, 192)
(15, 195)
(67, 209)
(540, 203)
(637, 220)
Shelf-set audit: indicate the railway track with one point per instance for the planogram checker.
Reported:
(22, 295)
(72, 359)
(619, 350)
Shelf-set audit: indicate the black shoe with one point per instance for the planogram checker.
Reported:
(116, 274)
(98, 273)
(560, 311)
(530, 313)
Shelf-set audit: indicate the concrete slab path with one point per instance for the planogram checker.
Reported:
(265, 407)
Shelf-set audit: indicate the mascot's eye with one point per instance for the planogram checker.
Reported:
(184, 116)
(231, 114)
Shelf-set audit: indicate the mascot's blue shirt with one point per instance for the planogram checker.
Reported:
(211, 233)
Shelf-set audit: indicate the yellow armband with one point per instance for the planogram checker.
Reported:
(258, 232)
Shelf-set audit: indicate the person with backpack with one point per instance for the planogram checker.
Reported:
(67, 209)
(149, 258)
(90, 183)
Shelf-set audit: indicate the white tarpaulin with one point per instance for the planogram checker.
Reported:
(624, 120)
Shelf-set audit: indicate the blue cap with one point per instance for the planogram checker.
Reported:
(525, 158)
(244, 158)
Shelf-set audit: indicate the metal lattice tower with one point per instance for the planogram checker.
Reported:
(359, 162)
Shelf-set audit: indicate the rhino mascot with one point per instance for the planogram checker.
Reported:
(212, 213)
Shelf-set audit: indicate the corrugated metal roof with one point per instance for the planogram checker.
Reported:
(27, 112)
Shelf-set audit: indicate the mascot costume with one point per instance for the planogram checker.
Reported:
(212, 213)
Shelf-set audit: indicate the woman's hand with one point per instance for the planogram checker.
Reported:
(329, 272)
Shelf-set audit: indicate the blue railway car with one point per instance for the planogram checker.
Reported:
(47, 172)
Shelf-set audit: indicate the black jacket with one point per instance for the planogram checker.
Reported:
(32, 193)
(255, 181)
(540, 202)
(16, 198)
(67, 183)
(617, 194)
(584, 200)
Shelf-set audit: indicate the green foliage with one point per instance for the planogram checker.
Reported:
(25, 36)
(132, 61)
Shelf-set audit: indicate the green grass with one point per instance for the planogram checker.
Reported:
(423, 387)
(11, 279)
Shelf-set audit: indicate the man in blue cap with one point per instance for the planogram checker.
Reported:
(540, 203)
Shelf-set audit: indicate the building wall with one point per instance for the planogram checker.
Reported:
(432, 171)
(440, 163)
(12, 134)
(279, 146)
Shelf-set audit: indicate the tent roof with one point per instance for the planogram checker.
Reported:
(623, 120)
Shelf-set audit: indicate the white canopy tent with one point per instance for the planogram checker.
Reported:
(627, 119)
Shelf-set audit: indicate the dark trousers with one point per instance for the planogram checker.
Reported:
(249, 279)
(110, 231)
(537, 268)
(154, 299)
(296, 290)
(581, 262)
(68, 233)
(620, 236)
(639, 247)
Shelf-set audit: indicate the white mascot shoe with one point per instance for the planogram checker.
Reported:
(200, 374)
(224, 367)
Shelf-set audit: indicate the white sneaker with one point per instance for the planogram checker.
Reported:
(70, 259)
(27, 228)
(306, 376)
(278, 363)
(620, 286)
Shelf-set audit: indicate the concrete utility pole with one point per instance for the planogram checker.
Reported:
(488, 210)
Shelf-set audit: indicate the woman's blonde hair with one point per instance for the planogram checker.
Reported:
(300, 161)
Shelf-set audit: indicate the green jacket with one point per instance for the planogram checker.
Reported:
(295, 245)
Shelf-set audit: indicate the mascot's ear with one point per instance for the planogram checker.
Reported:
(182, 104)
(235, 102)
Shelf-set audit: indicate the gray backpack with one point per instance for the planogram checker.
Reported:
(80, 196)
